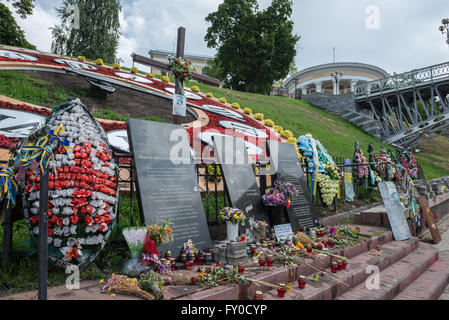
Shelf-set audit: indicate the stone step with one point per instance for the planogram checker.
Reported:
(278, 274)
(431, 284)
(328, 288)
(397, 277)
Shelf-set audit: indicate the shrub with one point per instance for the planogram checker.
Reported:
(81, 58)
(235, 105)
(222, 100)
(247, 111)
(209, 95)
(165, 79)
(278, 129)
(150, 75)
(195, 89)
(286, 134)
(292, 140)
(99, 62)
(116, 66)
(269, 123)
(258, 116)
(134, 70)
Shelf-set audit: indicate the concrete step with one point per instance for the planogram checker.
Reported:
(329, 288)
(397, 277)
(431, 284)
(278, 274)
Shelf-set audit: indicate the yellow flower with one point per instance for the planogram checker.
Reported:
(101, 281)
(113, 295)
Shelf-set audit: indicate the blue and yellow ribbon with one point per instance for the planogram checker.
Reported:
(9, 185)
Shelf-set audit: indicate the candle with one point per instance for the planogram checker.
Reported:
(378, 247)
(344, 264)
(339, 265)
(258, 296)
(334, 267)
(302, 282)
(253, 249)
(269, 260)
(241, 268)
(319, 246)
(281, 290)
(261, 262)
(309, 248)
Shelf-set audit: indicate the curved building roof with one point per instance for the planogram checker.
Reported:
(351, 70)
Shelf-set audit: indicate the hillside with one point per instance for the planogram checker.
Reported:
(335, 133)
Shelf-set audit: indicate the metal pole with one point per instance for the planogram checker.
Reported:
(179, 54)
(43, 237)
(7, 236)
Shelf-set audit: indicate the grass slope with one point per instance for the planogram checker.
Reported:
(335, 133)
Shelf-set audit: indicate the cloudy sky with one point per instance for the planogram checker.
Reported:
(397, 35)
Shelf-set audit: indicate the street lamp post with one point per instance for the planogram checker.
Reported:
(336, 76)
(444, 28)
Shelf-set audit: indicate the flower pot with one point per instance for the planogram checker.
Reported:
(232, 231)
(276, 215)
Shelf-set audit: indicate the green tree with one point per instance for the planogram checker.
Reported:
(97, 35)
(23, 7)
(10, 32)
(254, 48)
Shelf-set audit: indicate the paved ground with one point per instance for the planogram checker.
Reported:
(444, 246)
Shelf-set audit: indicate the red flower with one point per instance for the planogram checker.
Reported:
(34, 219)
(50, 232)
(60, 222)
(74, 219)
(89, 220)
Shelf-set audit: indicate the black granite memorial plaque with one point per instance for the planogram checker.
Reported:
(166, 182)
(286, 166)
(240, 178)
(395, 211)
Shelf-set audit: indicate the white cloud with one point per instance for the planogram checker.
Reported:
(37, 26)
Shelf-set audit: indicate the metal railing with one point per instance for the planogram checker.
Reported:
(404, 80)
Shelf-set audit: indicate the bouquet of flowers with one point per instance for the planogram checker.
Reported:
(260, 229)
(189, 247)
(234, 215)
(280, 194)
(181, 69)
(135, 238)
(361, 172)
(160, 234)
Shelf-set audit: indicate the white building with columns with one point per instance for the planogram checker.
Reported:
(319, 78)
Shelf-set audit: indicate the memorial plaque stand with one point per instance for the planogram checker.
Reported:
(240, 178)
(395, 211)
(286, 165)
(166, 182)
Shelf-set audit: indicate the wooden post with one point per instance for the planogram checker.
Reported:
(179, 54)
(43, 236)
(7, 235)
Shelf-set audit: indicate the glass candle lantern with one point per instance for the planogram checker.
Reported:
(207, 259)
(258, 296)
(319, 246)
(183, 257)
(302, 282)
(168, 255)
(253, 249)
(241, 268)
(344, 264)
(172, 264)
(339, 264)
(309, 248)
(334, 267)
(269, 260)
(281, 290)
(261, 262)
(248, 252)
(377, 247)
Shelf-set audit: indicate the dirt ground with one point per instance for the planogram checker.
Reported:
(124, 101)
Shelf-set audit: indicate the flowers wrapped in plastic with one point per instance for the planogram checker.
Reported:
(135, 238)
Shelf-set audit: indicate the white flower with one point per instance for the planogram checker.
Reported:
(57, 242)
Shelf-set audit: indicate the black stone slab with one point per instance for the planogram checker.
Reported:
(240, 177)
(167, 189)
(286, 165)
(395, 212)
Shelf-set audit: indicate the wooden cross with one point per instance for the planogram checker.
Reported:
(180, 54)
